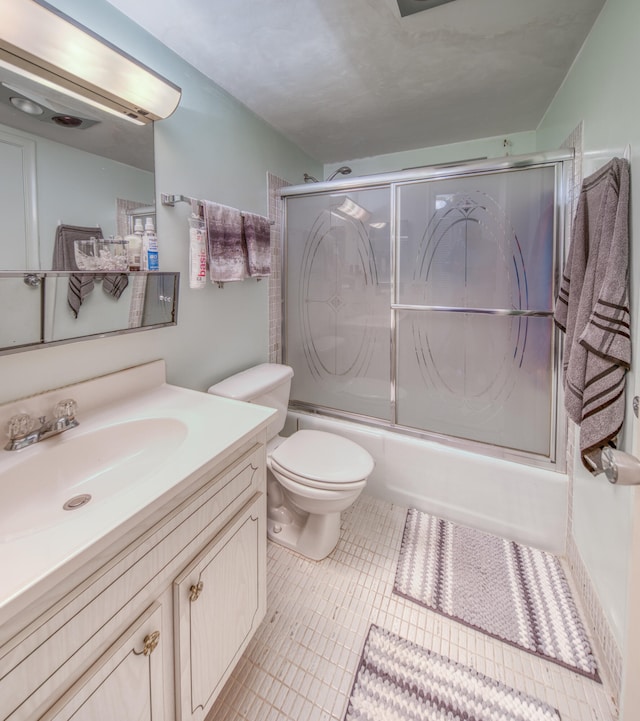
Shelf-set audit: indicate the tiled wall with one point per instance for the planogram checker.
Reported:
(574, 141)
(609, 653)
(275, 279)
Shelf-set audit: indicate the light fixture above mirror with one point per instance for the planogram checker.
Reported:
(41, 44)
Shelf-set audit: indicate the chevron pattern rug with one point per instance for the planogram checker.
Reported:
(514, 593)
(398, 680)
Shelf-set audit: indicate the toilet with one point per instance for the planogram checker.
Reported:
(311, 476)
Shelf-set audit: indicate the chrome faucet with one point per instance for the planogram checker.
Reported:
(22, 433)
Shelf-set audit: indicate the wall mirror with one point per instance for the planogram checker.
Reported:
(65, 161)
(68, 164)
(141, 301)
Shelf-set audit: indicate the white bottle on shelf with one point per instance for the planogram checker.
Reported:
(149, 247)
(134, 246)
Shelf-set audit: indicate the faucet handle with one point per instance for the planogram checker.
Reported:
(20, 425)
(66, 409)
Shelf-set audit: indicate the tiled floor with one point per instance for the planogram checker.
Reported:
(301, 663)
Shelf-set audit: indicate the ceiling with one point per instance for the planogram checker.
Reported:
(346, 79)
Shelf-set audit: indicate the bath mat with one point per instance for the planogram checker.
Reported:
(398, 680)
(514, 593)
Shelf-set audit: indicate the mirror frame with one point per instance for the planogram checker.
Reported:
(37, 279)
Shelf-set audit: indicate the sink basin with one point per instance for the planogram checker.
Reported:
(69, 468)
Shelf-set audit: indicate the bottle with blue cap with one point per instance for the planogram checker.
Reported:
(149, 247)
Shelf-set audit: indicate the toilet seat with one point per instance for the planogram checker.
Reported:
(287, 478)
(322, 460)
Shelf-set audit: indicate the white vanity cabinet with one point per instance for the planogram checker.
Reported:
(217, 607)
(125, 683)
(95, 654)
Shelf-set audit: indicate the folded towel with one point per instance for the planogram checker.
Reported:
(227, 255)
(114, 284)
(257, 233)
(197, 247)
(593, 309)
(80, 285)
(64, 258)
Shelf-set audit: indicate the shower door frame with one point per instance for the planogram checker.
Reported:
(562, 161)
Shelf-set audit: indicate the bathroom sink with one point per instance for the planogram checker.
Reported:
(80, 470)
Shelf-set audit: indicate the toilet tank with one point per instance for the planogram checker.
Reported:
(267, 384)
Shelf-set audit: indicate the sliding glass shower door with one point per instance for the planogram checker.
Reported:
(337, 294)
(474, 303)
(427, 304)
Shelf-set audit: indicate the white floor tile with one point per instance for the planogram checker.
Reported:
(303, 659)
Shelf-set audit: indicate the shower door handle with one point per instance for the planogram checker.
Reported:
(479, 311)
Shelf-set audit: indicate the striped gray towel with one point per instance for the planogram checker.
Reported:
(114, 284)
(257, 234)
(80, 285)
(593, 309)
(64, 258)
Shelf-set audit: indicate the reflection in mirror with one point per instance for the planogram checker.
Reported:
(21, 298)
(37, 309)
(95, 173)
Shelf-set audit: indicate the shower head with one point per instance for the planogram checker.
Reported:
(342, 170)
(310, 179)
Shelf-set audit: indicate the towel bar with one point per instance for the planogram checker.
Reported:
(171, 200)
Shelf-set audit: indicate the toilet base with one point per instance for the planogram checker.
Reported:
(311, 535)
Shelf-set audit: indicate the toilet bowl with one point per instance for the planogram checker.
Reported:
(319, 475)
(311, 475)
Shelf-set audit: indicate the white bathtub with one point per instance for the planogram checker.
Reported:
(525, 504)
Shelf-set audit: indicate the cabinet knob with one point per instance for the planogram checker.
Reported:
(195, 591)
(150, 643)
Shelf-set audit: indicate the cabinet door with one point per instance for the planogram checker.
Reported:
(219, 602)
(125, 683)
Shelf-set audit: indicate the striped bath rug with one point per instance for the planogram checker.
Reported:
(514, 593)
(400, 681)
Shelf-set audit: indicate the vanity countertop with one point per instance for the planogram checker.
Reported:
(196, 431)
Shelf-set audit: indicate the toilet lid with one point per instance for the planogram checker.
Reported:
(325, 457)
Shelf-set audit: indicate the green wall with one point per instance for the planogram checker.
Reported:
(602, 90)
(213, 148)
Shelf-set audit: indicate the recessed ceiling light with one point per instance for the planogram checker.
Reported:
(26, 106)
(408, 7)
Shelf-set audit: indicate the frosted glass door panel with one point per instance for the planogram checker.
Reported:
(483, 241)
(337, 324)
(482, 377)
(485, 244)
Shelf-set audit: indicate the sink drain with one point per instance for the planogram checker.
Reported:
(77, 502)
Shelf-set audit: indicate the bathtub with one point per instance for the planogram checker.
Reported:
(525, 504)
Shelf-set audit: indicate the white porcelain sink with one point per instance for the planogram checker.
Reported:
(141, 446)
(73, 465)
